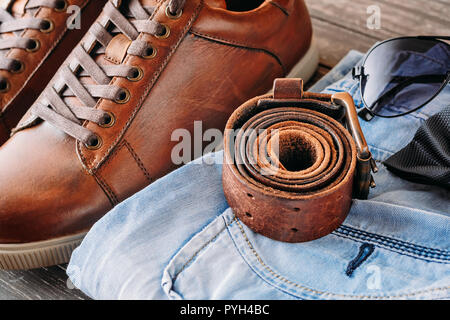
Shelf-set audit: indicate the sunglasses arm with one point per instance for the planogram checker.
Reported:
(434, 37)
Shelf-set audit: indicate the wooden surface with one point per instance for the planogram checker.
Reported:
(40, 284)
(339, 26)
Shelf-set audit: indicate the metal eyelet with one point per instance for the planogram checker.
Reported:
(173, 16)
(19, 68)
(150, 53)
(61, 6)
(138, 74)
(94, 143)
(4, 86)
(36, 45)
(109, 120)
(123, 97)
(50, 26)
(166, 33)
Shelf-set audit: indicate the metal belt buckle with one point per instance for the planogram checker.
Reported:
(366, 164)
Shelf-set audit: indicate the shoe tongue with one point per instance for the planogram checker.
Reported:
(222, 4)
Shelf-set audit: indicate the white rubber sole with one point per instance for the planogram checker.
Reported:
(307, 65)
(38, 254)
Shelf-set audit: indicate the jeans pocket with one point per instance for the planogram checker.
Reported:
(209, 266)
(226, 260)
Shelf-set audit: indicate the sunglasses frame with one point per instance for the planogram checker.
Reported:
(366, 113)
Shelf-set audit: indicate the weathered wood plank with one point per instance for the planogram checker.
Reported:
(340, 25)
(40, 284)
(334, 43)
(398, 17)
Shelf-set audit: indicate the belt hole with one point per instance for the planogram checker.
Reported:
(297, 209)
(294, 230)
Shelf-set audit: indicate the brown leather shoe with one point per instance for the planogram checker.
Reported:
(34, 41)
(102, 130)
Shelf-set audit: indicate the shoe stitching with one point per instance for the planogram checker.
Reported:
(241, 45)
(107, 189)
(110, 193)
(138, 161)
(284, 10)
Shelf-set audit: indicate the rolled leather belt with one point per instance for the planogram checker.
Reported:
(291, 167)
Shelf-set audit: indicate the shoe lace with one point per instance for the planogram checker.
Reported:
(11, 34)
(56, 104)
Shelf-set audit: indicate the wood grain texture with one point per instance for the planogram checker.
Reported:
(342, 24)
(339, 26)
(40, 284)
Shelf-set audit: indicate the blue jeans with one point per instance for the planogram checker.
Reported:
(178, 239)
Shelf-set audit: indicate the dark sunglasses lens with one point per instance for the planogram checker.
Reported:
(403, 74)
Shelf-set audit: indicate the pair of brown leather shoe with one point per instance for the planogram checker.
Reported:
(101, 129)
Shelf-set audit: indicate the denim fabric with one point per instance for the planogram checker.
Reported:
(178, 239)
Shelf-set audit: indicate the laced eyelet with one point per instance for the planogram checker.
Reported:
(173, 16)
(138, 74)
(34, 45)
(108, 121)
(95, 143)
(150, 52)
(166, 32)
(4, 86)
(48, 26)
(19, 67)
(61, 6)
(123, 97)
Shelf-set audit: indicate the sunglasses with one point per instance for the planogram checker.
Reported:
(401, 75)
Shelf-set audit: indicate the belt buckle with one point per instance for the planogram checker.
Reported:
(366, 164)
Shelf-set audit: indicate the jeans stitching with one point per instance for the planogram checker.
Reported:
(381, 150)
(195, 254)
(281, 278)
(418, 249)
(381, 245)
